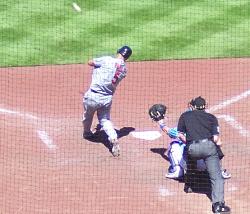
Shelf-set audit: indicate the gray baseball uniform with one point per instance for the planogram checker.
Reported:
(107, 73)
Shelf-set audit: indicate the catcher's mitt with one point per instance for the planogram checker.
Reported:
(157, 112)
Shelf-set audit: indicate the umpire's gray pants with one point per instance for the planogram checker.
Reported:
(206, 149)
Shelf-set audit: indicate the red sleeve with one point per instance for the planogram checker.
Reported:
(120, 73)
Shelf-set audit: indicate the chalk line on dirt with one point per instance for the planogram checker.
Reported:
(164, 192)
(230, 101)
(228, 118)
(232, 122)
(43, 135)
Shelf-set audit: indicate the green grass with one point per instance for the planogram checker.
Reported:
(51, 32)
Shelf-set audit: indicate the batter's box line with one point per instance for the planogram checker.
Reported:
(228, 118)
(235, 124)
(43, 135)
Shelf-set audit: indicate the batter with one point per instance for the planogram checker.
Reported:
(107, 74)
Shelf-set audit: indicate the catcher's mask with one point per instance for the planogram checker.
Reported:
(125, 51)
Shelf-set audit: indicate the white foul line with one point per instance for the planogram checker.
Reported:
(230, 101)
(42, 134)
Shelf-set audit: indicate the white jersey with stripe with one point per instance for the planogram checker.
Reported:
(107, 74)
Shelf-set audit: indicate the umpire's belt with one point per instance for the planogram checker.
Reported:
(199, 141)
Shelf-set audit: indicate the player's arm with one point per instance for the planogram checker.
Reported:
(96, 62)
(163, 126)
(120, 73)
(182, 137)
(181, 128)
(171, 132)
(216, 132)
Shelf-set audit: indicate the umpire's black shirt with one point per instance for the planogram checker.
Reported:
(198, 125)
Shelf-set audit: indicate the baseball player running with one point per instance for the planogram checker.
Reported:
(107, 73)
(176, 147)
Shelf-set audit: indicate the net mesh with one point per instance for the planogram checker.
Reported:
(181, 49)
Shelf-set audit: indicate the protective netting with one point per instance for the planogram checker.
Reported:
(181, 50)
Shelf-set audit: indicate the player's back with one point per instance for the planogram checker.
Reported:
(104, 72)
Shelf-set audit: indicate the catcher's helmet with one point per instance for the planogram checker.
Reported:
(125, 51)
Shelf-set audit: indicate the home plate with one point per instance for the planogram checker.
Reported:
(146, 135)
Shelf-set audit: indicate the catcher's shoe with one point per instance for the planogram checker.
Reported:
(225, 174)
(220, 207)
(115, 148)
(176, 174)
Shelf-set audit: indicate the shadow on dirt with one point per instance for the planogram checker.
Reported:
(161, 152)
(194, 181)
(101, 137)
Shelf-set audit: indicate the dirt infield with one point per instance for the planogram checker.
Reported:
(46, 166)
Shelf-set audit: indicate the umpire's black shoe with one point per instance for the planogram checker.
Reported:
(187, 189)
(88, 135)
(220, 207)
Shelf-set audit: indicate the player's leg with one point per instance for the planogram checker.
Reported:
(201, 166)
(89, 108)
(177, 162)
(103, 115)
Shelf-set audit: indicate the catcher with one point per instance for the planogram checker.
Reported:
(176, 147)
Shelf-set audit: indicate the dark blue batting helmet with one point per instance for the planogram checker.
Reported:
(125, 51)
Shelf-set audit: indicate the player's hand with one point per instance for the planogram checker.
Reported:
(161, 122)
(219, 142)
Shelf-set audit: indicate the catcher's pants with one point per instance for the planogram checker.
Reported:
(101, 104)
(177, 158)
(206, 149)
(175, 154)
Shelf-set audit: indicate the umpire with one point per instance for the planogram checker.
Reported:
(202, 132)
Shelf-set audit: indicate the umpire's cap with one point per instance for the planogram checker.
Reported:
(125, 51)
(199, 103)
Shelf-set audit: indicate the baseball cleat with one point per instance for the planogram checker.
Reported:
(187, 189)
(225, 174)
(116, 150)
(221, 208)
(178, 173)
(98, 127)
(88, 135)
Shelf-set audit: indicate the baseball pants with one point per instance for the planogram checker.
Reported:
(206, 149)
(100, 104)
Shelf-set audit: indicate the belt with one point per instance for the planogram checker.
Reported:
(199, 141)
